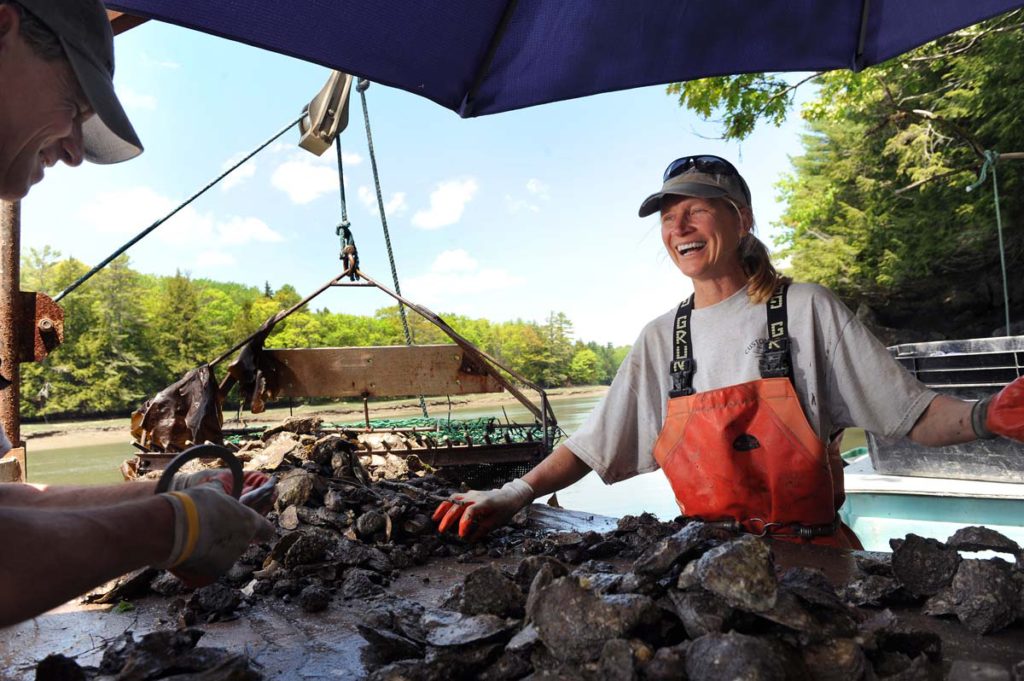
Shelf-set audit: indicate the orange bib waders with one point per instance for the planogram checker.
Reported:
(746, 453)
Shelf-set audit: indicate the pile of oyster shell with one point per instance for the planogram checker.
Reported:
(170, 654)
(348, 522)
(699, 604)
(682, 599)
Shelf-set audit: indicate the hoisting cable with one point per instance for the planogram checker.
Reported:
(361, 86)
(347, 252)
(138, 237)
(991, 157)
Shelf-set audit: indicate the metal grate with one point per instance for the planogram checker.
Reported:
(486, 476)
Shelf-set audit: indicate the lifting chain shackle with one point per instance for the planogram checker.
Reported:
(348, 254)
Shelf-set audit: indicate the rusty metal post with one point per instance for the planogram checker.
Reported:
(10, 312)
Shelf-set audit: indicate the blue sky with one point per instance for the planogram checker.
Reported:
(506, 216)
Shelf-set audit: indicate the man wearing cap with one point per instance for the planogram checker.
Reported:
(58, 104)
(740, 394)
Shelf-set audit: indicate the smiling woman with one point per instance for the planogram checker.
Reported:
(740, 395)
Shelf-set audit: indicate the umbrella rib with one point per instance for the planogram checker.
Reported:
(468, 103)
(862, 34)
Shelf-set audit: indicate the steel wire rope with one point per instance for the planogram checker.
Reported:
(361, 86)
(138, 237)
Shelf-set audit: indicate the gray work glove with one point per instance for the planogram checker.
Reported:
(211, 529)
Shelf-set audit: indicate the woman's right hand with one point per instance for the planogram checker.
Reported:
(479, 512)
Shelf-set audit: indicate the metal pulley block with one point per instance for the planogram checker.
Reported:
(326, 116)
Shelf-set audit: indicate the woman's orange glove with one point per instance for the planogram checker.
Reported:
(1001, 414)
(479, 512)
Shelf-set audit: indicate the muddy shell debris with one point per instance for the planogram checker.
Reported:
(923, 566)
(647, 600)
(159, 655)
(720, 611)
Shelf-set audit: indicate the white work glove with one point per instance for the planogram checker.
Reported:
(211, 529)
(480, 512)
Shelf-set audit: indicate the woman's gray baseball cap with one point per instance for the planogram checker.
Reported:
(706, 185)
(84, 32)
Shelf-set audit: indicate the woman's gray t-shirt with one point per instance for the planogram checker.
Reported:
(843, 376)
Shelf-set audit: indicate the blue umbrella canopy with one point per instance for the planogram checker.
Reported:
(480, 57)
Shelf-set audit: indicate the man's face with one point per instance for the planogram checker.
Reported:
(41, 112)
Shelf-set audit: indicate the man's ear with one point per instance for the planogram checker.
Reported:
(10, 23)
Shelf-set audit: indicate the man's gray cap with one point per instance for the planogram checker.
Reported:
(695, 183)
(88, 41)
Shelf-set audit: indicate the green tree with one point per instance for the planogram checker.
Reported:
(584, 368)
(129, 335)
(876, 207)
(181, 339)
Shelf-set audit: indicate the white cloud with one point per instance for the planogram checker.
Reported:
(236, 231)
(150, 60)
(537, 188)
(519, 205)
(455, 274)
(129, 211)
(215, 259)
(456, 260)
(447, 202)
(125, 211)
(240, 175)
(350, 159)
(396, 205)
(136, 100)
(303, 180)
(329, 157)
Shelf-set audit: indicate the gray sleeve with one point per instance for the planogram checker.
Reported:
(5, 443)
(617, 439)
(867, 387)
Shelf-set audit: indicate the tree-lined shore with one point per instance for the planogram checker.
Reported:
(128, 335)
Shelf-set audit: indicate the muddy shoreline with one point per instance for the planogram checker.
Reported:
(46, 436)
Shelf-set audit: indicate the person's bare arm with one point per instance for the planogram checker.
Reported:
(946, 421)
(72, 496)
(557, 471)
(52, 555)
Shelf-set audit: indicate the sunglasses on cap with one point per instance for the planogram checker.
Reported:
(705, 163)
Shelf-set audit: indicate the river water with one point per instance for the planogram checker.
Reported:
(650, 492)
(98, 464)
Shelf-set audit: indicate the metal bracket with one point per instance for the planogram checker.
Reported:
(326, 116)
(43, 329)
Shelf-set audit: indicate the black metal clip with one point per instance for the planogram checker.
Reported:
(774, 363)
(349, 255)
(682, 377)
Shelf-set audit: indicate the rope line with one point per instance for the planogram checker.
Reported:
(138, 237)
(991, 157)
(361, 86)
